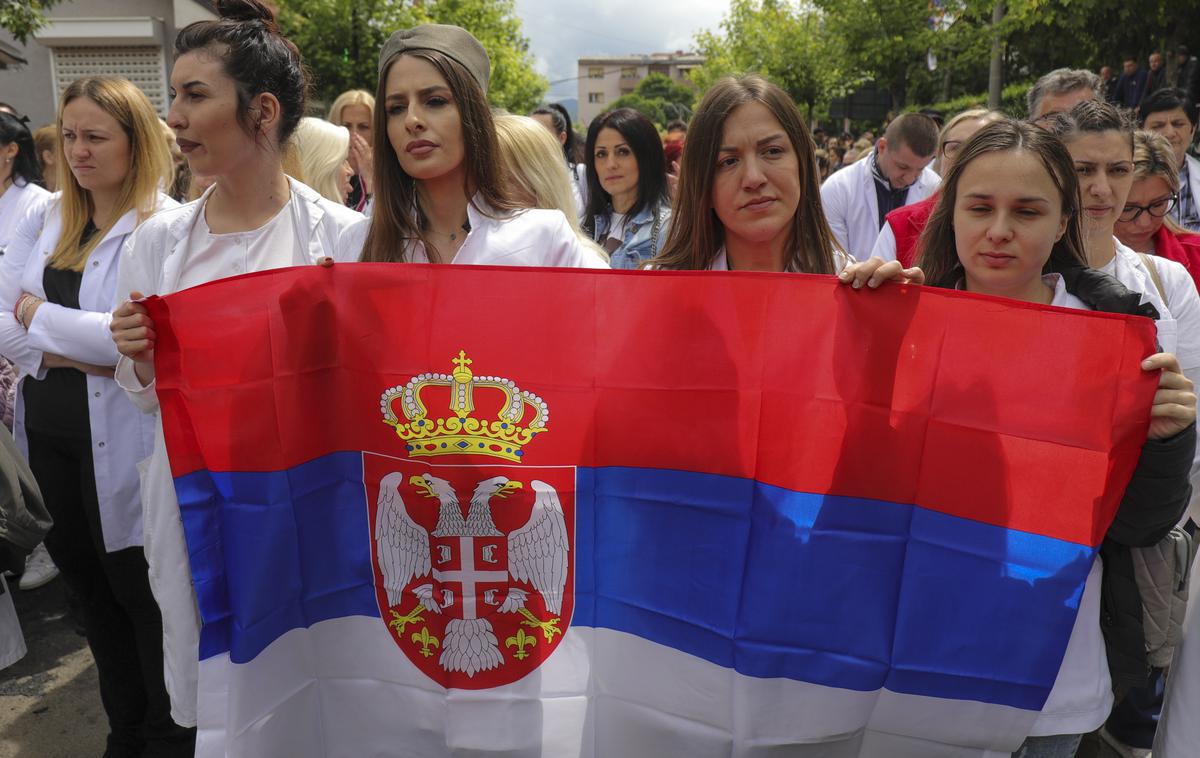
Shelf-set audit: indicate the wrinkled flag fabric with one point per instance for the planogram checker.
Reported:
(469, 511)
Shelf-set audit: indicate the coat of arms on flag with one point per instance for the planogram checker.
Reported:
(472, 548)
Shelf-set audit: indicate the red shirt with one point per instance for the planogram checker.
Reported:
(909, 221)
(1182, 248)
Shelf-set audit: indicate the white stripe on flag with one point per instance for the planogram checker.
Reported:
(342, 688)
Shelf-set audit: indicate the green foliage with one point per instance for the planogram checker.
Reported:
(790, 44)
(884, 40)
(22, 18)
(660, 99)
(1012, 102)
(340, 41)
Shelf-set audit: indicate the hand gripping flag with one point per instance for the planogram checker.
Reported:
(466, 511)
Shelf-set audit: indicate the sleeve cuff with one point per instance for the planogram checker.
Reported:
(143, 396)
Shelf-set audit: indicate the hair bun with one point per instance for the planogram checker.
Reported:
(247, 11)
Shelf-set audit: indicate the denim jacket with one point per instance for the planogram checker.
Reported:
(644, 235)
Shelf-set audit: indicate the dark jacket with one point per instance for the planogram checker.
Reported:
(1130, 88)
(1155, 499)
(1156, 80)
(1187, 78)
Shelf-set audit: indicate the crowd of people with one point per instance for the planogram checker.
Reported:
(1090, 203)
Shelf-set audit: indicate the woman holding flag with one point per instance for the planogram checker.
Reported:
(238, 93)
(1009, 211)
(440, 189)
(749, 193)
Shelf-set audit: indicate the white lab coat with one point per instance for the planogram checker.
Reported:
(15, 203)
(852, 208)
(151, 264)
(532, 237)
(120, 435)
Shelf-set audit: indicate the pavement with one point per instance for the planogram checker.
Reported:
(50, 699)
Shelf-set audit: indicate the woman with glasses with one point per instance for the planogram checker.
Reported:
(902, 227)
(1145, 224)
(1171, 113)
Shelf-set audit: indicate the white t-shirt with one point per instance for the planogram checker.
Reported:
(616, 228)
(216, 256)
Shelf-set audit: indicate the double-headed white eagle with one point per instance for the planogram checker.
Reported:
(537, 554)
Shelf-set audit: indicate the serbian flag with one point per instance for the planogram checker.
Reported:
(468, 511)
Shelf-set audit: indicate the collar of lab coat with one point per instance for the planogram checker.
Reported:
(181, 226)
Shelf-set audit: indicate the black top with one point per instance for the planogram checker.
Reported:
(57, 405)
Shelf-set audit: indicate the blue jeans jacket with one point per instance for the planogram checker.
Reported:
(644, 235)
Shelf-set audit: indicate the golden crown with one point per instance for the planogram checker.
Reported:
(462, 434)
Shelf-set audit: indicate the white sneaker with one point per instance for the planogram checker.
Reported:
(39, 569)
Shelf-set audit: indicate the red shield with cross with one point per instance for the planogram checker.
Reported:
(473, 564)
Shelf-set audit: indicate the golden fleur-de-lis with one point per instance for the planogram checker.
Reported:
(520, 641)
(425, 639)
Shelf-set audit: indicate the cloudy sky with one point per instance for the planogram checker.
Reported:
(559, 32)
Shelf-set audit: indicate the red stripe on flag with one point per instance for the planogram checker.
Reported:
(1003, 412)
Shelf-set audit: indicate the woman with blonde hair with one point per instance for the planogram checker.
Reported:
(82, 436)
(44, 140)
(1145, 224)
(323, 149)
(538, 178)
(355, 110)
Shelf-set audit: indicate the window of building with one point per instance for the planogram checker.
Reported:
(141, 65)
(629, 72)
(595, 97)
(595, 72)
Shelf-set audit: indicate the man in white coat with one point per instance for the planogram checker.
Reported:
(895, 174)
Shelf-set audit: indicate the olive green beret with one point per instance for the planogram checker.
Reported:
(454, 42)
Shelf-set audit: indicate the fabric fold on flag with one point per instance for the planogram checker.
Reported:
(439, 510)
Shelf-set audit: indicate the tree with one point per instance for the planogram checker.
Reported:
(21, 18)
(885, 40)
(340, 41)
(789, 44)
(660, 99)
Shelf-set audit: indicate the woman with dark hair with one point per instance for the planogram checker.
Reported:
(748, 197)
(441, 192)
(556, 119)
(1008, 213)
(1100, 139)
(628, 210)
(20, 176)
(238, 90)
(82, 436)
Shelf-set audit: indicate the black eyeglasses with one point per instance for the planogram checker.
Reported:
(1157, 209)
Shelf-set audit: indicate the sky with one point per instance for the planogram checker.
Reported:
(560, 32)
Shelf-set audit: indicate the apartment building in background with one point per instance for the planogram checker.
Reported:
(130, 38)
(603, 79)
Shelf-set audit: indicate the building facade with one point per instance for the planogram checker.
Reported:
(130, 38)
(603, 80)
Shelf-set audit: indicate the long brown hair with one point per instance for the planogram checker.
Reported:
(150, 166)
(398, 218)
(938, 256)
(697, 234)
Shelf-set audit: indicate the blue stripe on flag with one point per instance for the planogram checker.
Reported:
(842, 592)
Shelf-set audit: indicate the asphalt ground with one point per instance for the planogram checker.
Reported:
(50, 699)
